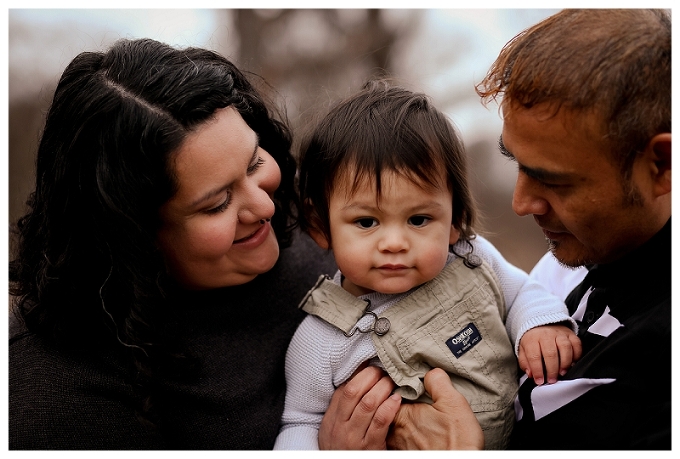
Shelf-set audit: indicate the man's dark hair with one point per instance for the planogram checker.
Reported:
(613, 62)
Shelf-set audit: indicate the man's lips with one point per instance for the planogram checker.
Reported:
(551, 231)
(554, 234)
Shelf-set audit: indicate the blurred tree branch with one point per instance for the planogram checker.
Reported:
(315, 56)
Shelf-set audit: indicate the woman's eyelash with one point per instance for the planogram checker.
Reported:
(222, 207)
(256, 166)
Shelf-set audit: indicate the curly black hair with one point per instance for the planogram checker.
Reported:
(86, 267)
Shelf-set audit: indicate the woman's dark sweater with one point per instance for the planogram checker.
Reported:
(65, 399)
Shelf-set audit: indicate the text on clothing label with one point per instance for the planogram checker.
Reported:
(464, 340)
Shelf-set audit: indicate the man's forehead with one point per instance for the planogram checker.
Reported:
(588, 123)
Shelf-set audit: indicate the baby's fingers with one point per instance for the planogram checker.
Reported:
(551, 360)
(576, 347)
(566, 354)
(531, 361)
(569, 348)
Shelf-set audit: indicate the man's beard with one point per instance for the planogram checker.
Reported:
(553, 245)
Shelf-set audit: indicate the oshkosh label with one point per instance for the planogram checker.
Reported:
(464, 340)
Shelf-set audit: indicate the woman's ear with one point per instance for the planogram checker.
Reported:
(454, 235)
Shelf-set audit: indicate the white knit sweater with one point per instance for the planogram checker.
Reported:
(320, 357)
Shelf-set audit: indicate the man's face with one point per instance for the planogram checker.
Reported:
(568, 182)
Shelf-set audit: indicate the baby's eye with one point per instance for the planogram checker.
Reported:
(419, 220)
(366, 222)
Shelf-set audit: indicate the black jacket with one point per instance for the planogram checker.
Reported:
(619, 395)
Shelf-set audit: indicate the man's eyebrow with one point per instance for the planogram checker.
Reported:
(543, 175)
(540, 174)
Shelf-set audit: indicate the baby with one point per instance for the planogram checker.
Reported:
(383, 185)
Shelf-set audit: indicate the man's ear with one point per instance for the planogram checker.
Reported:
(659, 149)
(320, 239)
(454, 235)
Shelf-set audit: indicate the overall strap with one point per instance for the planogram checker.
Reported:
(334, 304)
(436, 313)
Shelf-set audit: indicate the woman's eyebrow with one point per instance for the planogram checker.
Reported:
(253, 157)
(220, 189)
(210, 194)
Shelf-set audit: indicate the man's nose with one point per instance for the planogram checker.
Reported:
(527, 199)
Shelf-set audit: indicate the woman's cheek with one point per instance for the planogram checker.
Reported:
(217, 237)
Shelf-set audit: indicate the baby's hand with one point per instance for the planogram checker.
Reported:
(549, 348)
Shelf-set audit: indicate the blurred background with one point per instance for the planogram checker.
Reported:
(312, 57)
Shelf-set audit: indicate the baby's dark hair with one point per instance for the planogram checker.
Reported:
(382, 127)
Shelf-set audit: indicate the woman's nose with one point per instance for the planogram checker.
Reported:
(258, 206)
(259, 189)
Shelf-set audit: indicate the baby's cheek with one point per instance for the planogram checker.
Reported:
(352, 262)
(433, 262)
(351, 267)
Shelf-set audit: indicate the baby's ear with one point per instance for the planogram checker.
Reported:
(313, 223)
(454, 235)
(318, 237)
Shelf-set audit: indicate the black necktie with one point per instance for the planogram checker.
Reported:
(597, 301)
(596, 304)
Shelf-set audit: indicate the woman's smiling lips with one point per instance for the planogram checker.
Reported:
(254, 239)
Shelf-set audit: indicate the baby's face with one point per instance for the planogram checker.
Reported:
(396, 243)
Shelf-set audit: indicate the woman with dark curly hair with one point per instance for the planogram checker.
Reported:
(157, 272)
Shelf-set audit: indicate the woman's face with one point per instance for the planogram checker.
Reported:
(215, 230)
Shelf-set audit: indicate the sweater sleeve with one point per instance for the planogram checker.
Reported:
(529, 303)
(309, 382)
(558, 279)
